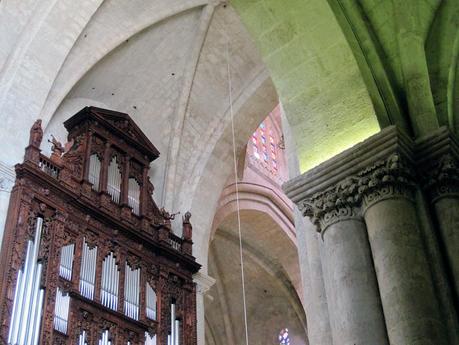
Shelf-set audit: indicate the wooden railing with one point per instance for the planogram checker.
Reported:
(175, 242)
(49, 167)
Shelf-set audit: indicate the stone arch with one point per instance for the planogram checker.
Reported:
(442, 51)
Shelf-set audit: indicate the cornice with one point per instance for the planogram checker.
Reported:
(350, 162)
(203, 282)
(378, 168)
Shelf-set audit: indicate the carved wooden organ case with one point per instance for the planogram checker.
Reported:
(87, 256)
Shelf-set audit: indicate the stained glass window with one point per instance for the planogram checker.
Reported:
(284, 338)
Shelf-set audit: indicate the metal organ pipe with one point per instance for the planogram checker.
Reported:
(177, 332)
(131, 292)
(66, 265)
(150, 303)
(114, 180)
(82, 338)
(134, 195)
(110, 282)
(28, 296)
(105, 339)
(88, 271)
(94, 171)
(61, 311)
(173, 324)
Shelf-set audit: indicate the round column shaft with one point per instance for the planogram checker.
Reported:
(353, 299)
(405, 281)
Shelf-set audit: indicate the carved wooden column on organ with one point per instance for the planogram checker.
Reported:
(82, 265)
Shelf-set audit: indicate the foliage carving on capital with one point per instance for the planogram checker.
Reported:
(334, 204)
(388, 178)
(444, 178)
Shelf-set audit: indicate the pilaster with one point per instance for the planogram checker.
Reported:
(203, 284)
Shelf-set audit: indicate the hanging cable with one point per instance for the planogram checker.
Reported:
(241, 257)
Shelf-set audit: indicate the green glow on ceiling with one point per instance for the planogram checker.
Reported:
(315, 74)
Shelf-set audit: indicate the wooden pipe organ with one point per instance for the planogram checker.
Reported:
(87, 257)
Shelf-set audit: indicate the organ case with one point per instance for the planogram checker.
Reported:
(87, 256)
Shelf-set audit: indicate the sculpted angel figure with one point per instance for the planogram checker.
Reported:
(36, 134)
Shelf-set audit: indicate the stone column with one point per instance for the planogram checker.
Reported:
(203, 284)
(355, 311)
(407, 292)
(314, 295)
(438, 159)
(382, 168)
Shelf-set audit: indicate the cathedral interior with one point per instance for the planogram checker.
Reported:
(191, 172)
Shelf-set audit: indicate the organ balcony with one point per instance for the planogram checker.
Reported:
(88, 257)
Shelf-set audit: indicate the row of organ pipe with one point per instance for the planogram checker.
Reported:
(94, 171)
(110, 282)
(134, 195)
(82, 338)
(174, 337)
(114, 182)
(61, 311)
(105, 339)
(66, 264)
(28, 297)
(88, 271)
(132, 292)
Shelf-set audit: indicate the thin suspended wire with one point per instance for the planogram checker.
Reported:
(241, 257)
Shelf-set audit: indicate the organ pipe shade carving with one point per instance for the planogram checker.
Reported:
(134, 195)
(114, 180)
(28, 297)
(82, 338)
(110, 282)
(150, 340)
(131, 292)
(151, 302)
(61, 311)
(94, 171)
(88, 271)
(66, 265)
(105, 338)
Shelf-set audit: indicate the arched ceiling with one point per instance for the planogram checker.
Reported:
(340, 65)
(315, 74)
(342, 70)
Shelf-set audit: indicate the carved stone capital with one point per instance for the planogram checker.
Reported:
(335, 204)
(340, 188)
(385, 179)
(203, 282)
(444, 179)
(438, 164)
